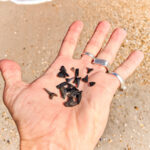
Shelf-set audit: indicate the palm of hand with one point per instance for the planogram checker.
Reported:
(37, 117)
(41, 117)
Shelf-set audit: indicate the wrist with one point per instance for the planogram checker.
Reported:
(39, 145)
(47, 145)
(59, 142)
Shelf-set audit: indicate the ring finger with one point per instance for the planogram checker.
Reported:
(128, 66)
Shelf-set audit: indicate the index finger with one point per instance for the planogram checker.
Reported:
(71, 38)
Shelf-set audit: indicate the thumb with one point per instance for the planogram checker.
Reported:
(11, 71)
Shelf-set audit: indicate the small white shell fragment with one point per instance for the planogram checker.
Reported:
(27, 2)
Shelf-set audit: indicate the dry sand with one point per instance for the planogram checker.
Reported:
(32, 35)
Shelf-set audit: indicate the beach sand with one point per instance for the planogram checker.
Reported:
(32, 35)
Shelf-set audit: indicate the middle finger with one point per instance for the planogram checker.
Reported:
(113, 45)
(97, 39)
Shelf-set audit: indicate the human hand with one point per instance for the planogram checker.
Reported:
(47, 124)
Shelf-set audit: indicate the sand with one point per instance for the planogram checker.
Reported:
(32, 35)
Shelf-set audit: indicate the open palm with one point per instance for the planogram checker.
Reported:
(48, 122)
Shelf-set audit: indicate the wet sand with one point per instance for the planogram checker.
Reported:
(32, 35)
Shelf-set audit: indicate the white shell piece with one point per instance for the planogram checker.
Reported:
(27, 2)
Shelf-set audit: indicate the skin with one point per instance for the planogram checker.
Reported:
(49, 125)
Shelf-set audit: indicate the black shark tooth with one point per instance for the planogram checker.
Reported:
(62, 68)
(70, 85)
(91, 83)
(68, 89)
(74, 93)
(77, 81)
(61, 85)
(85, 79)
(66, 74)
(79, 95)
(72, 69)
(76, 72)
(89, 70)
(61, 74)
(63, 92)
(71, 90)
(70, 102)
(51, 94)
(74, 88)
